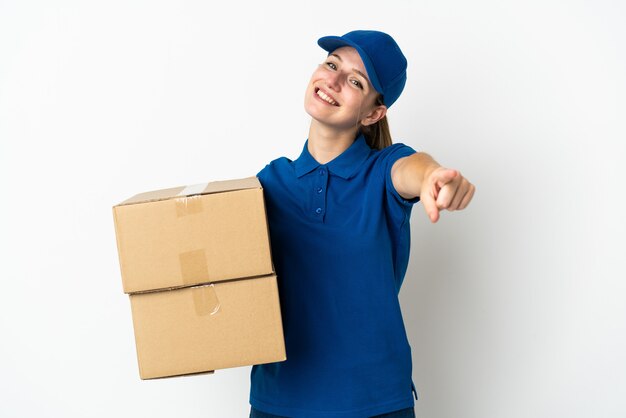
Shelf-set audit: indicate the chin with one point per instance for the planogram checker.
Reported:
(311, 109)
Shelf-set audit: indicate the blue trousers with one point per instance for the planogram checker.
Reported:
(403, 413)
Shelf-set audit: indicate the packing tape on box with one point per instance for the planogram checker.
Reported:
(205, 299)
(193, 189)
(194, 269)
(190, 203)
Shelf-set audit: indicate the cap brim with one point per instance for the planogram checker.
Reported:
(330, 43)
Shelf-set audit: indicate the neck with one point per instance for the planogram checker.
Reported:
(326, 143)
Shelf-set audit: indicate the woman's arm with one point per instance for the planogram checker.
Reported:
(438, 187)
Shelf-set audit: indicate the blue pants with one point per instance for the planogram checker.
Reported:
(403, 413)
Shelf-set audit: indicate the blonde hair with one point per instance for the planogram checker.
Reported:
(378, 135)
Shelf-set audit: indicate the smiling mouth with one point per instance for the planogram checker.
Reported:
(325, 97)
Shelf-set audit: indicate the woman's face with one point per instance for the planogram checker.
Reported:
(339, 92)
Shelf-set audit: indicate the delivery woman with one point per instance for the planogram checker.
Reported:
(339, 227)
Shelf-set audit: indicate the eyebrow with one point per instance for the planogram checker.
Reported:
(354, 69)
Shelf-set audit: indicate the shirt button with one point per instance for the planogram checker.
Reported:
(322, 172)
(318, 190)
(318, 210)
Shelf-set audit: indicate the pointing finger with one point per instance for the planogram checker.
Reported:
(430, 206)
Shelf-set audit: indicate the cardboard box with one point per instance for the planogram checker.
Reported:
(196, 263)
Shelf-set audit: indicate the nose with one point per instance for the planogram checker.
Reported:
(333, 81)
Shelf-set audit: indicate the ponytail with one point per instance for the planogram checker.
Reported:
(378, 135)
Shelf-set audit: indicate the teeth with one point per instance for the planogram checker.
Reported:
(325, 97)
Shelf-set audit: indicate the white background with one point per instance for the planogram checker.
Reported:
(514, 308)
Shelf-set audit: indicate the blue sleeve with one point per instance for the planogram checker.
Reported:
(394, 153)
(397, 207)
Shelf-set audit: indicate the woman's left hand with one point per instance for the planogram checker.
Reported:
(445, 188)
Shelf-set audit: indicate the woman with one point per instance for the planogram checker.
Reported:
(339, 226)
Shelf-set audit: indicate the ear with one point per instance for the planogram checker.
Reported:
(376, 114)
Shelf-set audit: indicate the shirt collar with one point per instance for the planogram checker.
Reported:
(344, 165)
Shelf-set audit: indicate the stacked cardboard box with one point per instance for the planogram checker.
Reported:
(196, 263)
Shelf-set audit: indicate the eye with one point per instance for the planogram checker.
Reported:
(331, 65)
(357, 83)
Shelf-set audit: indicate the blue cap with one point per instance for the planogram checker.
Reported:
(384, 62)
